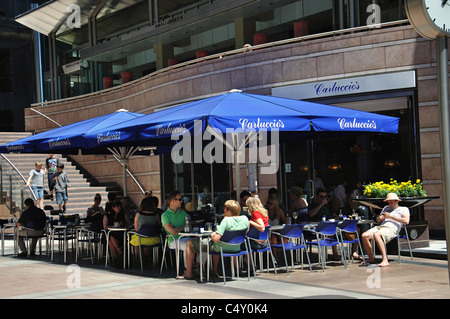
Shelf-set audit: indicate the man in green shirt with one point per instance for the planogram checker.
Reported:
(174, 219)
(231, 222)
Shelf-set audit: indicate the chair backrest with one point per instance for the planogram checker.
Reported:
(254, 233)
(349, 225)
(327, 228)
(292, 231)
(234, 237)
(68, 219)
(96, 227)
(34, 224)
(150, 230)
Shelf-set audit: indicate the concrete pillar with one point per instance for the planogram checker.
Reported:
(163, 52)
(244, 29)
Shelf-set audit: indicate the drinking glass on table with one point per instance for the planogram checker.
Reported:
(295, 215)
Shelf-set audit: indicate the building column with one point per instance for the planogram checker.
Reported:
(163, 52)
(244, 30)
(53, 66)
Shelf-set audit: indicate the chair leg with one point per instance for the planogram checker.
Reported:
(163, 258)
(409, 244)
(285, 258)
(307, 257)
(223, 267)
(273, 262)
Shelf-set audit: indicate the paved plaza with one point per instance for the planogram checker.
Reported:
(38, 278)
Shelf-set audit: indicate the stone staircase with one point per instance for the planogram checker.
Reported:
(81, 193)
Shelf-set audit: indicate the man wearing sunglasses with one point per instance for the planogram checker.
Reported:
(174, 219)
(319, 208)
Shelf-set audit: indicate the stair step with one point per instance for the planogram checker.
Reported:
(81, 194)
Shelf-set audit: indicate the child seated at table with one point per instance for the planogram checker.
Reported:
(232, 221)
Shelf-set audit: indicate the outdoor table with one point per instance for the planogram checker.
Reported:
(58, 230)
(200, 236)
(125, 230)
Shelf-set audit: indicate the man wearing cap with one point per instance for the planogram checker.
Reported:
(392, 219)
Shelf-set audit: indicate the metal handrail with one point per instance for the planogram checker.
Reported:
(229, 53)
(19, 173)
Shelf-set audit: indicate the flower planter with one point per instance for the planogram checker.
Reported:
(410, 202)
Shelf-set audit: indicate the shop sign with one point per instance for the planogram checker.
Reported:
(348, 86)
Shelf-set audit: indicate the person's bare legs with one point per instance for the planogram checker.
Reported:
(382, 247)
(190, 256)
(366, 240)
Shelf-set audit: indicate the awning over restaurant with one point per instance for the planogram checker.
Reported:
(51, 17)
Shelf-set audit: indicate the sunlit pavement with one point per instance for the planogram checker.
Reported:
(39, 278)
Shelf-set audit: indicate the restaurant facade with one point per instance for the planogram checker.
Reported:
(363, 55)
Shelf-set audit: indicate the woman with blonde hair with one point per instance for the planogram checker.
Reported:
(259, 216)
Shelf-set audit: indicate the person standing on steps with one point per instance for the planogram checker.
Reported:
(36, 181)
(51, 164)
(61, 183)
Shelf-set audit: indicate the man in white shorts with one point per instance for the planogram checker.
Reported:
(392, 219)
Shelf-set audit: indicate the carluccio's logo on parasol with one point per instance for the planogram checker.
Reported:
(259, 140)
(108, 137)
(15, 148)
(260, 124)
(169, 130)
(58, 143)
(346, 124)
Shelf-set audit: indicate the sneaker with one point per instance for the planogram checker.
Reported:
(22, 254)
(51, 197)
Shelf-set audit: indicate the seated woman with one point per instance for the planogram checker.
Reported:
(298, 203)
(147, 215)
(115, 218)
(259, 219)
(95, 212)
(276, 216)
(231, 222)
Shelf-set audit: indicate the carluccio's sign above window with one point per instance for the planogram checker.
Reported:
(347, 86)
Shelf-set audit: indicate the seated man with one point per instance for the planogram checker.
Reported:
(392, 219)
(173, 220)
(319, 208)
(34, 219)
(232, 221)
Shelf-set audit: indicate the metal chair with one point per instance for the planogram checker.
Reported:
(38, 237)
(255, 235)
(8, 231)
(350, 226)
(296, 241)
(146, 231)
(325, 233)
(62, 234)
(406, 236)
(166, 249)
(236, 237)
(93, 237)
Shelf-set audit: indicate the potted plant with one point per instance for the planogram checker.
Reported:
(411, 194)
